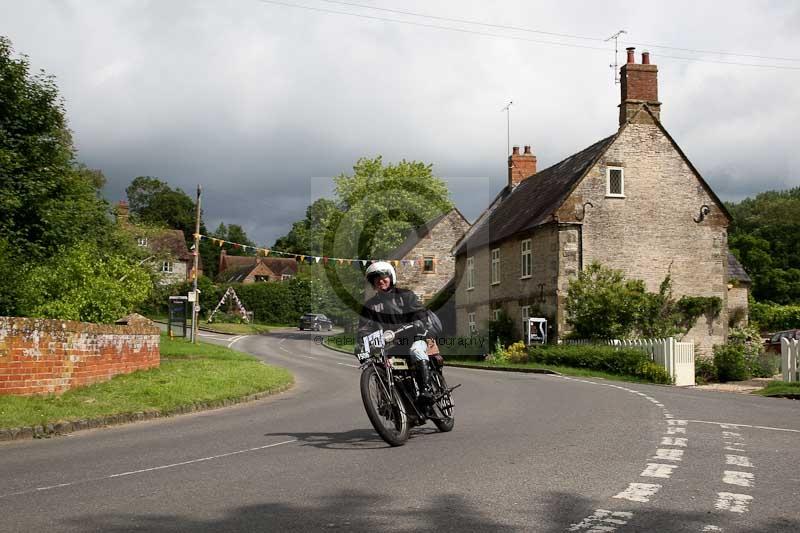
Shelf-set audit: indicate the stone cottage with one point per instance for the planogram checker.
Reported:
(250, 269)
(632, 201)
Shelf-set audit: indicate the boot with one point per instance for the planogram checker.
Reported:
(424, 383)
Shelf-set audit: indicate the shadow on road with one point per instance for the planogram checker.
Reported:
(356, 439)
(344, 511)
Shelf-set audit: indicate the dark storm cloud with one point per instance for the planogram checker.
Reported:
(263, 104)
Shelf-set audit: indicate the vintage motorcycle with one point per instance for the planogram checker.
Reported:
(390, 392)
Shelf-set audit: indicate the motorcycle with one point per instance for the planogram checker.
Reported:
(390, 392)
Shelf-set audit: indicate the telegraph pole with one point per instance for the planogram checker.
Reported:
(196, 302)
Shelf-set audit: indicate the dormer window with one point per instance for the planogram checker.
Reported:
(615, 182)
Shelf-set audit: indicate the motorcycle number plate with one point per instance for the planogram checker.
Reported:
(373, 340)
(398, 363)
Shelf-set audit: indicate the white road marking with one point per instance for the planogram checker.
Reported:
(236, 339)
(602, 521)
(743, 479)
(658, 470)
(676, 422)
(673, 441)
(711, 528)
(732, 449)
(151, 469)
(738, 460)
(638, 492)
(675, 430)
(724, 425)
(735, 503)
(345, 364)
(726, 434)
(668, 454)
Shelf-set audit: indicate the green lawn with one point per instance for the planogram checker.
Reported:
(782, 389)
(235, 329)
(188, 374)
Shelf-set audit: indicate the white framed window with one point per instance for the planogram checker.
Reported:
(473, 328)
(496, 314)
(615, 182)
(141, 241)
(470, 273)
(284, 277)
(495, 266)
(526, 259)
(168, 267)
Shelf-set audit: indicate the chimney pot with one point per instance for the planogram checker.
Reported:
(520, 166)
(645, 58)
(527, 150)
(630, 50)
(515, 150)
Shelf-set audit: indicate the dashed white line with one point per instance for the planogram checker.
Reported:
(638, 492)
(735, 503)
(738, 460)
(658, 470)
(743, 479)
(674, 441)
(675, 430)
(668, 454)
(602, 521)
(728, 425)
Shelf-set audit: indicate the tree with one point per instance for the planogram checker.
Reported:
(307, 235)
(762, 237)
(153, 201)
(84, 283)
(47, 200)
(233, 233)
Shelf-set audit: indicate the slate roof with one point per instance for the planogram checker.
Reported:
(238, 267)
(534, 201)
(736, 270)
(417, 234)
(171, 242)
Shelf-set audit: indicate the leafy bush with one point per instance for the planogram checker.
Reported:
(623, 361)
(729, 360)
(772, 317)
(501, 330)
(704, 370)
(517, 353)
(498, 355)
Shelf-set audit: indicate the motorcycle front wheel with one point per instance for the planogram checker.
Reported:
(387, 415)
(443, 402)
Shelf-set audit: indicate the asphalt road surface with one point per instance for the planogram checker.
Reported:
(529, 452)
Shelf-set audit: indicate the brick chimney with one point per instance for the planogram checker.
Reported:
(122, 212)
(520, 166)
(638, 85)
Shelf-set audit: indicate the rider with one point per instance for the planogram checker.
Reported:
(392, 307)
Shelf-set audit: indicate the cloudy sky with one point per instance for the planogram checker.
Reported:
(261, 102)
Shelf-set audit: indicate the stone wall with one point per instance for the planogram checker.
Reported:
(40, 356)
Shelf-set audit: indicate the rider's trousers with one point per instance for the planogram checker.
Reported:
(419, 350)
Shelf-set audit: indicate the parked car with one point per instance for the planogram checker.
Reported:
(315, 322)
(774, 342)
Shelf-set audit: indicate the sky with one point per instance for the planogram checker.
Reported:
(263, 102)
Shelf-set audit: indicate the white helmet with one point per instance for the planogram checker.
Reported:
(379, 269)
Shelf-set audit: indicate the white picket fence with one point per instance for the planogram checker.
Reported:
(676, 357)
(790, 352)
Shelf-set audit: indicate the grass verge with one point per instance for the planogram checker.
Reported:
(565, 370)
(341, 342)
(235, 329)
(781, 389)
(189, 374)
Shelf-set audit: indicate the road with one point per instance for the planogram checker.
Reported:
(529, 452)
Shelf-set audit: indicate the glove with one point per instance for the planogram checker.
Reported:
(420, 326)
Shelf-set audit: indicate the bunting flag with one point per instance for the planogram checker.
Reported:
(314, 259)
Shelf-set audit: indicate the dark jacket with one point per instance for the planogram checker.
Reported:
(389, 310)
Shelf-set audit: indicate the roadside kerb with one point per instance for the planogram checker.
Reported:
(62, 428)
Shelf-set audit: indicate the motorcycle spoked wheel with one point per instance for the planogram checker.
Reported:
(389, 418)
(443, 406)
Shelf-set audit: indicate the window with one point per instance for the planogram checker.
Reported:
(615, 182)
(473, 329)
(168, 266)
(525, 311)
(526, 259)
(495, 266)
(141, 241)
(286, 276)
(496, 314)
(470, 273)
(261, 278)
(428, 264)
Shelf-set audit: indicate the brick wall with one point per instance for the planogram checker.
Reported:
(40, 356)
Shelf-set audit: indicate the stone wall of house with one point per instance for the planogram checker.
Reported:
(179, 274)
(39, 356)
(437, 244)
(738, 304)
(513, 291)
(652, 231)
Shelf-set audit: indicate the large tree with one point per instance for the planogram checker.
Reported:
(307, 235)
(763, 236)
(47, 200)
(153, 201)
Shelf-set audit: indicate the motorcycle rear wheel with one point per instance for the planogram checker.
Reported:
(388, 417)
(443, 406)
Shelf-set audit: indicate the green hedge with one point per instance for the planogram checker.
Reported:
(773, 317)
(625, 361)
